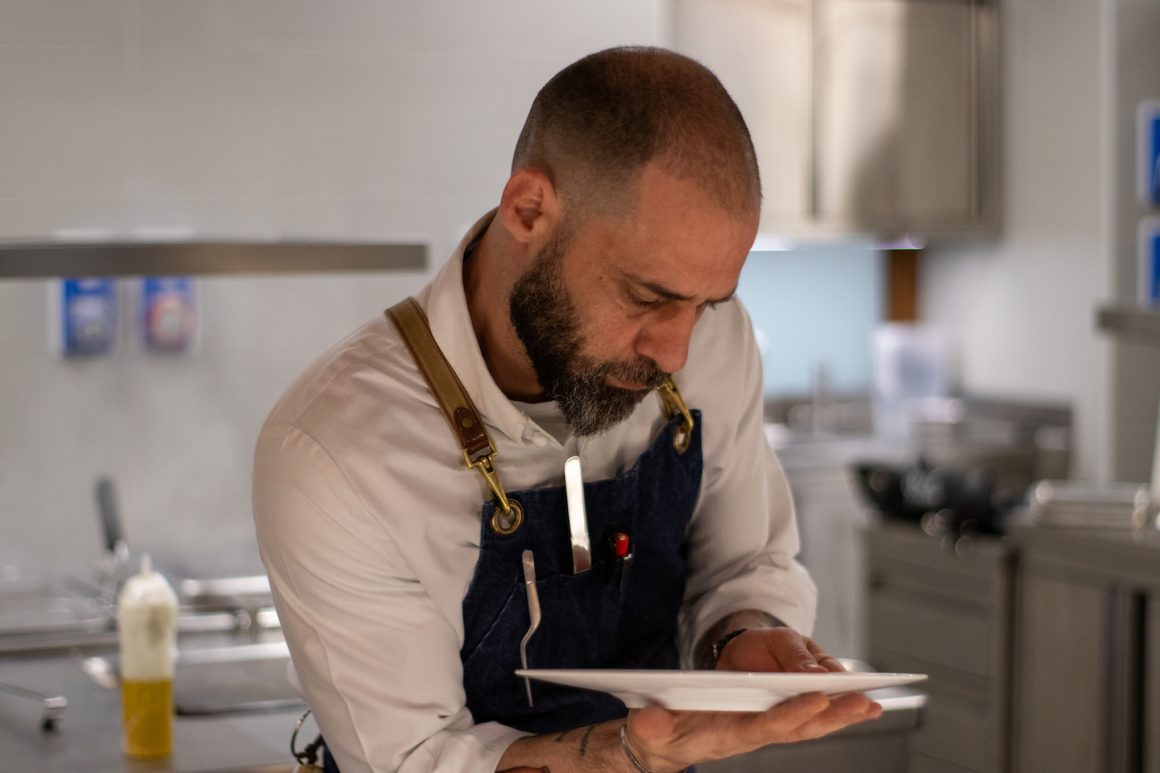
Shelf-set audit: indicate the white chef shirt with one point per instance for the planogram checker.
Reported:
(369, 523)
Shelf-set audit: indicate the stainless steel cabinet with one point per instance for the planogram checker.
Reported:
(867, 115)
(1057, 715)
(1152, 695)
(945, 609)
(1087, 672)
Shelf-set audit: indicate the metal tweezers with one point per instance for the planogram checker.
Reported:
(533, 613)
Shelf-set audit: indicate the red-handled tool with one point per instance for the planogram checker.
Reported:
(622, 551)
(620, 545)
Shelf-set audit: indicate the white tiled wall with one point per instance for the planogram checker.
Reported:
(235, 118)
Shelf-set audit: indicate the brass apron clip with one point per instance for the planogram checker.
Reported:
(508, 515)
(674, 406)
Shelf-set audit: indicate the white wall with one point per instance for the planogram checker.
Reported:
(1021, 307)
(235, 118)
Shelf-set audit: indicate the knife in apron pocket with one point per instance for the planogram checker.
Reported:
(577, 516)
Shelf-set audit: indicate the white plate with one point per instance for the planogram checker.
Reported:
(714, 690)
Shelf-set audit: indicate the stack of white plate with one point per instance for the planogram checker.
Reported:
(1086, 504)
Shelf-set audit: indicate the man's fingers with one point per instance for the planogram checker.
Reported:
(831, 663)
(850, 703)
(838, 717)
(784, 719)
(843, 711)
(791, 652)
(824, 659)
(798, 710)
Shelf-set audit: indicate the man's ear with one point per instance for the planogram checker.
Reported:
(530, 207)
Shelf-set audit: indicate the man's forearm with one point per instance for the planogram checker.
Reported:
(746, 618)
(594, 747)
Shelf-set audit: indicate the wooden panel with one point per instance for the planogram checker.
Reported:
(1059, 669)
(902, 285)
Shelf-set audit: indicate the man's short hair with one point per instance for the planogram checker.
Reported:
(597, 122)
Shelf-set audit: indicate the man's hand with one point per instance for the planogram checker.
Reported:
(667, 741)
(776, 649)
(672, 740)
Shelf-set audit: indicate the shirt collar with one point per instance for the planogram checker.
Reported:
(445, 302)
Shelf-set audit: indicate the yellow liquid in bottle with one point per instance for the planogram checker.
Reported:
(147, 709)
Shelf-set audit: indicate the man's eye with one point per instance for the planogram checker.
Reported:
(643, 303)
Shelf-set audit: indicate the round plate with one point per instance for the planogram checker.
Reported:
(714, 690)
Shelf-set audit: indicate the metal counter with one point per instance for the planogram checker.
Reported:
(88, 735)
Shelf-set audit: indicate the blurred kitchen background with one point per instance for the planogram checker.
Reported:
(949, 289)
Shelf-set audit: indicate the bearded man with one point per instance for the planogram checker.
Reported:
(407, 488)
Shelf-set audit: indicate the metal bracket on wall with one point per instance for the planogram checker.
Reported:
(51, 259)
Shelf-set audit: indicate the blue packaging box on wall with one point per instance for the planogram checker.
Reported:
(1149, 152)
(1150, 262)
(169, 313)
(88, 316)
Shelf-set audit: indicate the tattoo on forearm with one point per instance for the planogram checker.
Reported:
(584, 740)
(564, 735)
(703, 652)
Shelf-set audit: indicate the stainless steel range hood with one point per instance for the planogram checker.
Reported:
(869, 117)
(51, 259)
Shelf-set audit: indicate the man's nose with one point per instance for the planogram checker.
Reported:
(665, 340)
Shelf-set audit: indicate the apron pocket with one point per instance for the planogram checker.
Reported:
(515, 603)
(580, 618)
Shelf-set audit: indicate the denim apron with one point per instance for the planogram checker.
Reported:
(615, 615)
(592, 619)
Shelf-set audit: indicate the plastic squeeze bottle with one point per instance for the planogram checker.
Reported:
(147, 625)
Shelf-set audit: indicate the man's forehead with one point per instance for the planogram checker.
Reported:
(687, 252)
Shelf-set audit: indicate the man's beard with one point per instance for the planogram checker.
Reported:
(546, 322)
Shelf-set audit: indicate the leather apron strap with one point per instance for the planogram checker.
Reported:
(466, 424)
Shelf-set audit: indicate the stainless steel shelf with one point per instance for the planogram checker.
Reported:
(1128, 321)
(161, 258)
